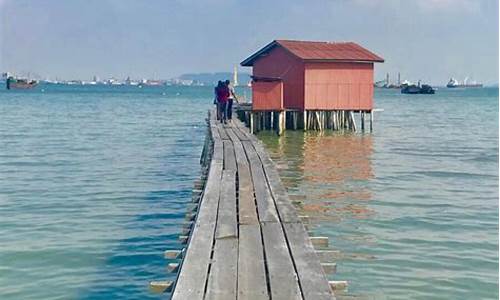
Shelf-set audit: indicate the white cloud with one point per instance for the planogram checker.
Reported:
(450, 5)
(427, 6)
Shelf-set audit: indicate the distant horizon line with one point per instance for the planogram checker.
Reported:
(36, 75)
(177, 77)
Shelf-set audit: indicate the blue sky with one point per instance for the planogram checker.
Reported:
(423, 39)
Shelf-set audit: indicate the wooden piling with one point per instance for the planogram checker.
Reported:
(251, 122)
(371, 120)
(160, 286)
(304, 114)
(353, 121)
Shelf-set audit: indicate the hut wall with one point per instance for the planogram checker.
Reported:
(267, 96)
(334, 85)
(281, 64)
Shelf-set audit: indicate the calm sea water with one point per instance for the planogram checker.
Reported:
(413, 207)
(94, 182)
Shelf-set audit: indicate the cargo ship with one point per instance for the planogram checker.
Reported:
(20, 83)
(453, 83)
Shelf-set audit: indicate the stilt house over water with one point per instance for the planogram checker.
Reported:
(320, 83)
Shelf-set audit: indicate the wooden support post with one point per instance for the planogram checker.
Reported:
(338, 120)
(286, 118)
(192, 207)
(283, 125)
(305, 120)
(280, 123)
(371, 120)
(321, 121)
(353, 120)
(190, 216)
(329, 268)
(187, 226)
(308, 120)
(183, 239)
(295, 116)
(319, 241)
(272, 120)
(174, 254)
(362, 120)
(338, 285)
(251, 122)
(160, 286)
(325, 256)
(186, 231)
(174, 267)
(304, 219)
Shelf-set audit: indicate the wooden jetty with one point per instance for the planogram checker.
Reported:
(244, 239)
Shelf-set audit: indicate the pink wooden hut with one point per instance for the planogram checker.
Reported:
(325, 82)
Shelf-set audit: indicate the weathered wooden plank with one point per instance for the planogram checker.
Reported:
(214, 131)
(192, 278)
(223, 261)
(229, 157)
(265, 203)
(252, 283)
(241, 135)
(218, 153)
(286, 210)
(282, 277)
(244, 131)
(222, 132)
(227, 224)
(223, 273)
(313, 281)
(285, 207)
(247, 208)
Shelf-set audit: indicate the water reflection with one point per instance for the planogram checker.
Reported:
(327, 174)
(328, 177)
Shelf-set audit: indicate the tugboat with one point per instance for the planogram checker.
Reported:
(417, 89)
(20, 83)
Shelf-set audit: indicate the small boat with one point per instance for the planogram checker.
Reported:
(417, 89)
(20, 83)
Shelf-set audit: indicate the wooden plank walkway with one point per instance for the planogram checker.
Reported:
(247, 241)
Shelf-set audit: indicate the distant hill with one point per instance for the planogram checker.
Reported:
(212, 78)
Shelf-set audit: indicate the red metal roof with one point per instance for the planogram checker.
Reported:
(319, 51)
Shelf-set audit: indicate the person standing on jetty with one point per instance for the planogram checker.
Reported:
(222, 92)
(216, 99)
(231, 99)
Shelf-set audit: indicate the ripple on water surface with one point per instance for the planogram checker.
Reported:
(413, 206)
(93, 186)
